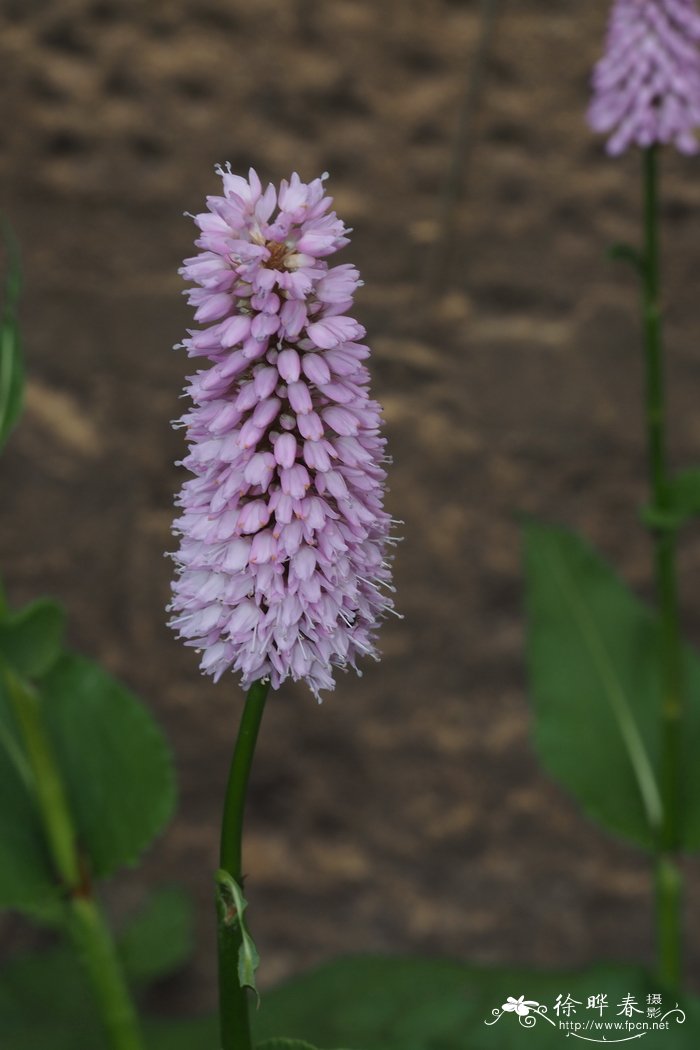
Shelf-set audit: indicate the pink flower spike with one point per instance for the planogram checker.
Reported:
(646, 87)
(282, 566)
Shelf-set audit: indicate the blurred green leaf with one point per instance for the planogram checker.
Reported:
(594, 660)
(368, 1003)
(45, 1004)
(284, 1044)
(31, 639)
(117, 773)
(11, 364)
(115, 763)
(158, 940)
(423, 1004)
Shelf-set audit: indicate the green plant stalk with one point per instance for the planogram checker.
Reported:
(45, 779)
(667, 875)
(86, 925)
(95, 947)
(234, 1019)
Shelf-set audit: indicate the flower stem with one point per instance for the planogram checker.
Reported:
(668, 878)
(233, 998)
(85, 923)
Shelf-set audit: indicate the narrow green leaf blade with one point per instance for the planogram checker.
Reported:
(11, 362)
(115, 762)
(593, 653)
(594, 658)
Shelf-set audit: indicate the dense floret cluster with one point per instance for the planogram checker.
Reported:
(646, 87)
(282, 565)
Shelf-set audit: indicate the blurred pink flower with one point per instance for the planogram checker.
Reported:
(646, 87)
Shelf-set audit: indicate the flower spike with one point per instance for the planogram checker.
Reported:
(646, 87)
(282, 567)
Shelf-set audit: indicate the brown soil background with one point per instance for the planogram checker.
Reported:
(407, 813)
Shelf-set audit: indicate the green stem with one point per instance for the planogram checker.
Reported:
(86, 925)
(668, 879)
(93, 942)
(233, 999)
(45, 779)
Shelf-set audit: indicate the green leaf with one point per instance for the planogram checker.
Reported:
(46, 1004)
(369, 1003)
(232, 903)
(11, 364)
(114, 760)
(422, 1004)
(594, 659)
(117, 775)
(157, 941)
(31, 639)
(594, 673)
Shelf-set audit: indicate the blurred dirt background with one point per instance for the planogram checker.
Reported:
(407, 813)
